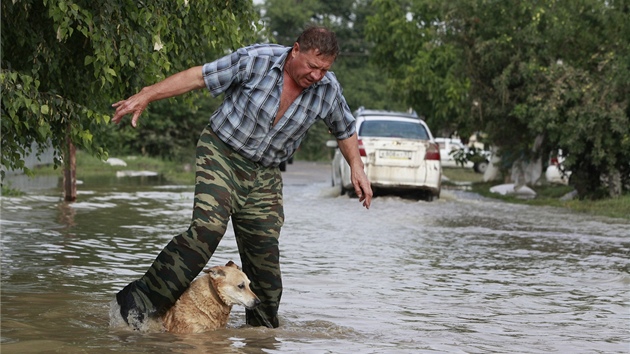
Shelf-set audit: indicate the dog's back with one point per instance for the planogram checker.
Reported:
(207, 303)
(199, 309)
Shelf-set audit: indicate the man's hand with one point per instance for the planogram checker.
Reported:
(175, 85)
(350, 150)
(362, 186)
(135, 105)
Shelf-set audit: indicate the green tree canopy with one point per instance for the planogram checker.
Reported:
(65, 62)
(517, 71)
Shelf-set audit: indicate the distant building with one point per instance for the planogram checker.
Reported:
(32, 160)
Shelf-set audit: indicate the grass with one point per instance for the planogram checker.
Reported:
(548, 195)
(9, 191)
(175, 172)
(461, 175)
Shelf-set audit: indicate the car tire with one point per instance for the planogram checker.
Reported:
(337, 186)
(480, 167)
(431, 196)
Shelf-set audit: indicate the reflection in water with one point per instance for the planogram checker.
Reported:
(66, 214)
(462, 274)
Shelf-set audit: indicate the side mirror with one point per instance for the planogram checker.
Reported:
(331, 143)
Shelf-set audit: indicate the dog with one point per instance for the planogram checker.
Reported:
(206, 304)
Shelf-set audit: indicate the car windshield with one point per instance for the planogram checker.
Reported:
(393, 129)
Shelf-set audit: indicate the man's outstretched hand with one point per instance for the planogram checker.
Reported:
(135, 105)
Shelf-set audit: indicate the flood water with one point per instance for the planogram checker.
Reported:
(459, 275)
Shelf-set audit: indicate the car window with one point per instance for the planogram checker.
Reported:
(393, 129)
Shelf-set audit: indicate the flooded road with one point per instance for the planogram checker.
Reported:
(460, 275)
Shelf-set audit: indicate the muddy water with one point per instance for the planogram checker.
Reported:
(460, 275)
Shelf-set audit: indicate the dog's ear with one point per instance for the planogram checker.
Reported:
(232, 264)
(215, 272)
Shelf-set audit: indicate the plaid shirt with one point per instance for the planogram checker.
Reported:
(251, 79)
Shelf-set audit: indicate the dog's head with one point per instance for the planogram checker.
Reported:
(232, 285)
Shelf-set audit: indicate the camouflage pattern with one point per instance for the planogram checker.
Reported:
(227, 186)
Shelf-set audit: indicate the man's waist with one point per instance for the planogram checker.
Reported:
(261, 152)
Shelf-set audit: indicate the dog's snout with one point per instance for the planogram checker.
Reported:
(256, 302)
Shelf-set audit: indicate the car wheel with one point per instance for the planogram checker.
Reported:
(334, 184)
(342, 191)
(480, 167)
(431, 196)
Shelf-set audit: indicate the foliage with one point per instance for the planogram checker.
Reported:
(423, 68)
(518, 71)
(287, 18)
(169, 129)
(9, 191)
(64, 62)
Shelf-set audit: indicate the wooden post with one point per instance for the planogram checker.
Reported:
(70, 170)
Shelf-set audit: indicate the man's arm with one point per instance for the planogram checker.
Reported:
(180, 83)
(350, 150)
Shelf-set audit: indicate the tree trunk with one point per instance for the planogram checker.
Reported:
(614, 184)
(70, 171)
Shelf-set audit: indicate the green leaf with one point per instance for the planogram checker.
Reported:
(69, 55)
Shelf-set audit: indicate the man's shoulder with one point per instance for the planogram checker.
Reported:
(332, 77)
(330, 81)
(269, 50)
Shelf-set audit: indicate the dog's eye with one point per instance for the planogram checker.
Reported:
(241, 286)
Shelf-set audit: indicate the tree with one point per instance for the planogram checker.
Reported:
(65, 62)
(519, 72)
(424, 69)
(169, 129)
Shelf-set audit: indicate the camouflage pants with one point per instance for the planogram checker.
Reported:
(227, 186)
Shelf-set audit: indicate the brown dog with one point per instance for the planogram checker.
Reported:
(206, 304)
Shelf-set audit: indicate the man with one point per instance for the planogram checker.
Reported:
(272, 95)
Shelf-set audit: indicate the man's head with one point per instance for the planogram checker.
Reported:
(312, 55)
(323, 40)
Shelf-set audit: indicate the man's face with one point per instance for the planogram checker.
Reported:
(308, 68)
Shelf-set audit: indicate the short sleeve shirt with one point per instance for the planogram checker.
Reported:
(251, 79)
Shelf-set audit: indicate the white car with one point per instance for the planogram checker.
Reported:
(555, 172)
(398, 152)
(474, 158)
(448, 147)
